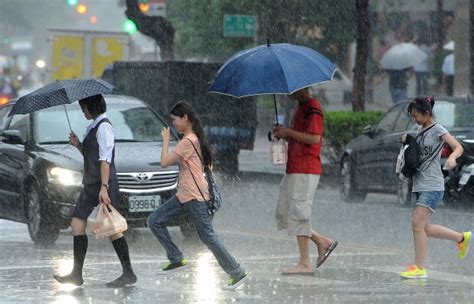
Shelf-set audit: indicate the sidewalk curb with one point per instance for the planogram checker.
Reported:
(329, 178)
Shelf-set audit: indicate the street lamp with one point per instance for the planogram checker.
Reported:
(40, 63)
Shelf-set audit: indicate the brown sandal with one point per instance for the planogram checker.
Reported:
(326, 254)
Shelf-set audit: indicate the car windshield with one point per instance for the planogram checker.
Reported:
(132, 122)
(454, 115)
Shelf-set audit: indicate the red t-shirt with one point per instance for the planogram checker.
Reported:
(303, 158)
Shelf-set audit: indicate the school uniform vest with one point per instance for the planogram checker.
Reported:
(90, 151)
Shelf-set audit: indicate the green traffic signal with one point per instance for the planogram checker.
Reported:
(129, 26)
(71, 2)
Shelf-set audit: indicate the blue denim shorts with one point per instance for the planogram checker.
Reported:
(428, 199)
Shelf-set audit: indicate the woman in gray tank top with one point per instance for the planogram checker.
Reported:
(428, 186)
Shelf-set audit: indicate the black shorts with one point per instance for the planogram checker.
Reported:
(89, 198)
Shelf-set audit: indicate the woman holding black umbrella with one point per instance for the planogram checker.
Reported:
(100, 186)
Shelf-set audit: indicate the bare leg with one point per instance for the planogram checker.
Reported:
(420, 219)
(78, 226)
(441, 232)
(322, 242)
(304, 263)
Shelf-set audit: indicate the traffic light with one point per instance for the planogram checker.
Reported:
(81, 9)
(129, 26)
(144, 7)
(93, 19)
(71, 2)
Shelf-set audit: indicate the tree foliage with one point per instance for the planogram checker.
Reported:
(325, 25)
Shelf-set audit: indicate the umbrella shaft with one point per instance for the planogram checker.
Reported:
(276, 110)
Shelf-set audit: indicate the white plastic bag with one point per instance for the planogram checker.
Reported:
(278, 149)
(91, 220)
(108, 222)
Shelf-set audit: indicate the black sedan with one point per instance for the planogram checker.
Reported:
(40, 173)
(368, 162)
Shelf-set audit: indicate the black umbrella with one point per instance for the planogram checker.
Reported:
(60, 92)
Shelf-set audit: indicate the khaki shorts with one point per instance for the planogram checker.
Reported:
(295, 202)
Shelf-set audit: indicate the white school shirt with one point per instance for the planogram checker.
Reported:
(105, 138)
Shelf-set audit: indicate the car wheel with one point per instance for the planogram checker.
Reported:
(40, 222)
(228, 163)
(404, 191)
(347, 189)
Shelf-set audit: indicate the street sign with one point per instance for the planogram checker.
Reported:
(240, 25)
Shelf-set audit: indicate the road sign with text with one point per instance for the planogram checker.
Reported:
(240, 25)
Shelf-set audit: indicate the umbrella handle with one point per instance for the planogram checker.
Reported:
(67, 116)
(276, 111)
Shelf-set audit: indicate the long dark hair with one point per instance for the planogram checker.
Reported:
(423, 105)
(184, 108)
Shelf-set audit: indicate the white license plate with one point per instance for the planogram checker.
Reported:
(464, 178)
(143, 203)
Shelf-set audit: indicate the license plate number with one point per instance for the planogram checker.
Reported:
(464, 178)
(143, 203)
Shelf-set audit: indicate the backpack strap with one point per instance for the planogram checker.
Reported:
(426, 130)
(190, 171)
(428, 159)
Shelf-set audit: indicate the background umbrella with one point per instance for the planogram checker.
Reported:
(402, 56)
(449, 46)
(60, 92)
(272, 69)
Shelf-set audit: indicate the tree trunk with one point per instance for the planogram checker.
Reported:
(156, 27)
(360, 69)
(439, 24)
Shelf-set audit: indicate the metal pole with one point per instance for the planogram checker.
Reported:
(67, 116)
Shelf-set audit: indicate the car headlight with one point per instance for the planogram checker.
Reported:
(64, 177)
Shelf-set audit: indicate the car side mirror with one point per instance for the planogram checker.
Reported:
(12, 137)
(368, 131)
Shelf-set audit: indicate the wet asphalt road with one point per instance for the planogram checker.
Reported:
(374, 237)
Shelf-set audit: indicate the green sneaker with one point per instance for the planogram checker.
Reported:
(413, 272)
(174, 267)
(463, 247)
(234, 283)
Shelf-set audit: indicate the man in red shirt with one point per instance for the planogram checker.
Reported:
(297, 188)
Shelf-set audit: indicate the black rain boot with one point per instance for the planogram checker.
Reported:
(80, 249)
(127, 277)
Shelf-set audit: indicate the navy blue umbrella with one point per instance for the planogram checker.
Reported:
(60, 92)
(272, 69)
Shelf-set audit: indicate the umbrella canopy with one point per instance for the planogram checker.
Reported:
(449, 46)
(58, 93)
(272, 69)
(402, 56)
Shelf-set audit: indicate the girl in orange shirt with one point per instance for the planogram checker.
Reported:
(193, 153)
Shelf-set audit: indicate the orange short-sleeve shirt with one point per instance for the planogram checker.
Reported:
(189, 162)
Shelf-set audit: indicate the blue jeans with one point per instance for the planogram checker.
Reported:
(198, 212)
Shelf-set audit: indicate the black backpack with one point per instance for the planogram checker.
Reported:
(412, 154)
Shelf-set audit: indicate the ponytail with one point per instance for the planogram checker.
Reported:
(184, 108)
